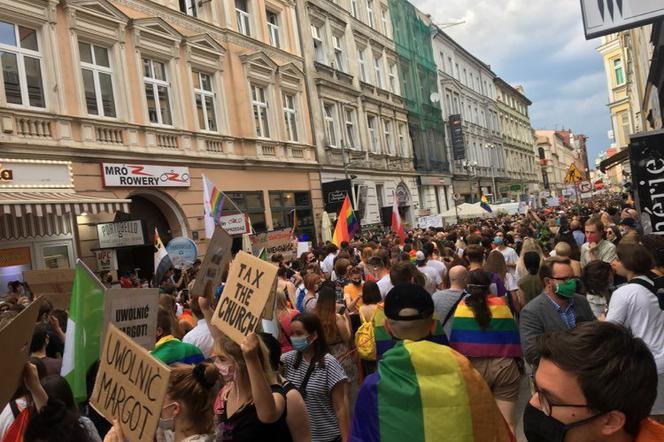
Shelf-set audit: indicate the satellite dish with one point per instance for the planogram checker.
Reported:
(434, 97)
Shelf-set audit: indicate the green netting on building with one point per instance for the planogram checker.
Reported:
(412, 37)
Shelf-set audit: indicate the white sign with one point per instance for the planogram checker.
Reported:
(107, 260)
(552, 202)
(602, 17)
(430, 221)
(35, 174)
(234, 224)
(134, 312)
(144, 175)
(585, 187)
(303, 247)
(120, 234)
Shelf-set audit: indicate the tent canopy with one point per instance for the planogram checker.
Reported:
(467, 210)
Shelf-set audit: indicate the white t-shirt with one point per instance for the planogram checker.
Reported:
(201, 337)
(511, 258)
(636, 308)
(433, 276)
(327, 265)
(438, 265)
(384, 285)
(510, 282)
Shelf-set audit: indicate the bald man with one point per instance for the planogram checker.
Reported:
(445, 301)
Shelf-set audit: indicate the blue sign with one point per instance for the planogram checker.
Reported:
(182, 251)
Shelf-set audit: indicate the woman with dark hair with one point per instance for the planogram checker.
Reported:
(636, 306)
(56, 422)
(320, 379)
(597, 279)
(613, 234)
(484, 330)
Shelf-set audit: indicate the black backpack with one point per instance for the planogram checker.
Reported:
(656, 288)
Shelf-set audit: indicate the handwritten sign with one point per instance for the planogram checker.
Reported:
(234, 224)
(107, 260)
(134, 312)
(15, 339)
(250, 282)
(54, 284)
(130, 386)
(276, 241)
(217, 255)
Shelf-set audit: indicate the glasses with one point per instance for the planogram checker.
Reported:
(564, 278)
(546, 404)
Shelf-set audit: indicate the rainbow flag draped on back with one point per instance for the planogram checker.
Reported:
(499, 340)
(347, 224)
(425, 392)
(484, 204)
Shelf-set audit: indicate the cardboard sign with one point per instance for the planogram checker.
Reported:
(276, 241)
(133, 312)
(15, 339)
(249, 285)
(130, 386)
(53, 284)
(217, 255)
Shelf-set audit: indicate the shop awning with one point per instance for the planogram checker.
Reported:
(58, 203)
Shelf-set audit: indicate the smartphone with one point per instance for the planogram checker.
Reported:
(342, 310)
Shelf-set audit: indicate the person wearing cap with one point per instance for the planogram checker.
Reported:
(628, 231)
(434, 279)
(423, 390)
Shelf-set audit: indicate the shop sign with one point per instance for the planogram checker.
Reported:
(107, 260)
(120, 234)
(646, 153)
(144, 175)
(458, 143)
(602, 17)
(334, 193)
(15, 256)
(275, 241)
(35, 174)
(182, 251)
(435, 181)
(234, 224)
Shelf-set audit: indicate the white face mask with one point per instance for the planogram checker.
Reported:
(165, 435)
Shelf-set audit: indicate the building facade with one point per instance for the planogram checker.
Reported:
(129, 92)
(467, 93)
(357, 107)
(555, 156)
(523, 173)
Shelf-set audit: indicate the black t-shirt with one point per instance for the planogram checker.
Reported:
(244, 425)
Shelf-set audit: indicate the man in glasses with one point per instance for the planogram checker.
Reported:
(558, 307)
(594, 383)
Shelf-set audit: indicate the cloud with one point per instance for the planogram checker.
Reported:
(540, 45)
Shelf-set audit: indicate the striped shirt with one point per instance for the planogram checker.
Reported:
(568, 315)
(322, 418)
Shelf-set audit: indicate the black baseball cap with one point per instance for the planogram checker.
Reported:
(408, 295)
(629, 222)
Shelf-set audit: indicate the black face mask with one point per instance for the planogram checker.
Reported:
(538, 427)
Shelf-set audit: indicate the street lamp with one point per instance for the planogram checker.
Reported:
(493, 174)
(471, 169)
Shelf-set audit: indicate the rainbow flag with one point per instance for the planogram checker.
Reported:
(499, 340)
(484, 204)
(425, 392)
(347, 224)
(216, 203)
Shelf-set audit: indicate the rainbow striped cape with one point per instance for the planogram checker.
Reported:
(425, 392)
(499, 340)
(385, 342)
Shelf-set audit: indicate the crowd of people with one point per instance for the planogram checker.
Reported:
(428, 338)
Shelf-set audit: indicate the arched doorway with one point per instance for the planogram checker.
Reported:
(155, 210)
(403, 201)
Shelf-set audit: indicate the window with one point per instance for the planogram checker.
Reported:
(378, 66)
(625, 127)
(373, 136)
(188, 7)
(97, 80)
(618, 71)
(403, 147)
(384, 21)
(362, 60)
(250, 203)
(204, 96)
(351, 134)
(284, 204)
(319, 48)
(389, 138)
(21, 65)
(157, 92)
(379, 195)
(242, 17)
(353, 9)
(456, 65)
(339, 56)
(290, 117)
(273, 28)
(392, 78)
(370, 14)
(330, 116)
(465, 77)
(259, 104)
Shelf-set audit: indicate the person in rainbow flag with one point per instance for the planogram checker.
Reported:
(423, 391)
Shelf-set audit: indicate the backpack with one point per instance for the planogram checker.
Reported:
(655, 289)
(365, 339)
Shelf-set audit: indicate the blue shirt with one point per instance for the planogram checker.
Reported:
(568, 315)
(579, 237)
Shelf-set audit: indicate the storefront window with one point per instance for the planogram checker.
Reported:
(282, 205)
(250, 203)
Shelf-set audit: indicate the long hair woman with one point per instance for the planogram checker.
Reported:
(320, 379)
(597, 278)
(495, 263)
(529, 245)
(485, 331)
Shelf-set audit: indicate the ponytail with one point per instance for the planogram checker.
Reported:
(478, 289)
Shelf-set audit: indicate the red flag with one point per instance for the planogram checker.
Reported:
(397, 228)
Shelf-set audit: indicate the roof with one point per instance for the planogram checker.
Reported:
(512, 89)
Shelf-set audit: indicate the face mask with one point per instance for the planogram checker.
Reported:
(498, 241)
(300, 343)
(167, 423)
(227, 371)
(566, 289)
(539, 427)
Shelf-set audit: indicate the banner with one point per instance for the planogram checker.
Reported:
(275, 241)
(15, 339)
(134, 313)
(216, 256)
(249, 285)
(458, 142)
(234, 224)
(647, 162)
(53, 284)
(130, 386)
(430, 221)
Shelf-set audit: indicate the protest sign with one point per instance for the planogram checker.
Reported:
(303, 247)
(234, 224)
(275, 241)
(53, 284)
(15, 339)
(134, 312)
(130, 386)
(249, 285)
(217, 255)
(182, 251)
(107, 260)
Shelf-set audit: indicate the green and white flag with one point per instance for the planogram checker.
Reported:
(84, 328)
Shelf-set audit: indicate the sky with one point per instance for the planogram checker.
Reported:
(540, 45)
